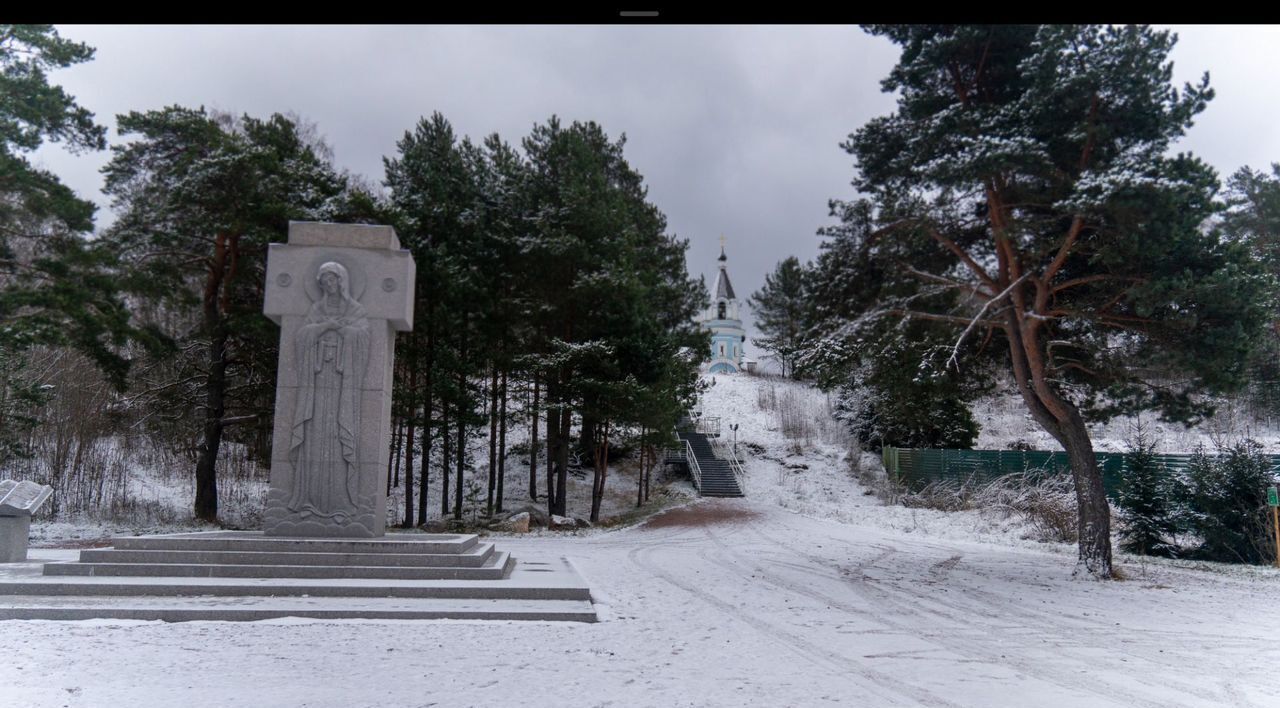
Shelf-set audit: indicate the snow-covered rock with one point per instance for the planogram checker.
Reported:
(517, 523)
(563, 522)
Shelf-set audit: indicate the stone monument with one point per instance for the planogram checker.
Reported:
(339, 292)
(18, 501)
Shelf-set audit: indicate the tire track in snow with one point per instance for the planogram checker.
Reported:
(809, 650)
(882, 592)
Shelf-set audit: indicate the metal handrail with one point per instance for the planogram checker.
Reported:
(709, 426)
(694, 470)
(731, 456)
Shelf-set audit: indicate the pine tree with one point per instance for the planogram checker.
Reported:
(900, 383)
(1035, 159)
(1253, 213)
(606, 277)
(56, 288)
(199, 197)
(1148, 498)
(1227, 500)
(1252, 219)
(548, 270)
(435, 185)
(780, 309)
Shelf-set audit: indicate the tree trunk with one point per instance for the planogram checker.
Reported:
(648, 471)
(428, 394)
(587, 437)
(1093, 522)
(408, 466)
(562, 462)
(206, 504)
(425, 469)
(408, 476)
(493, 440)
(553, 452)
(533, 444)
(393, 462)
(640, 479)
(1061, 419)
(461, 451)
(601, 472)
(215, 302)
(444, 458)
(502, 441)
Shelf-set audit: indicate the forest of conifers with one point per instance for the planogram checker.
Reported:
(549, 293)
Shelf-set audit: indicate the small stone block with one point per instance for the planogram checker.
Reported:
(14, 532)
(311, 233)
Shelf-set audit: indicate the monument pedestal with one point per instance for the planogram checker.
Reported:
(14, 534)
(244, 575)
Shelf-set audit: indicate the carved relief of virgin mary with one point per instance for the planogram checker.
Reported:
(332, 349)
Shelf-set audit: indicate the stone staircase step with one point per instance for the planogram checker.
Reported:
(472, 557)
(255, 541)
(496, 567)
(188, 609)
(341, 587)
(529, 579)
(245, 576)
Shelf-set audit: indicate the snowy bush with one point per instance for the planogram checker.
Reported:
(1227, 503)
(1045, 503)
(1148, 501)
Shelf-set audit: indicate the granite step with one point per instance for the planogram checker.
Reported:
(530, 579)
(78, 586)
(497, 566)
(255, 541)
(472, 557)
(53, 586)
(187, 609)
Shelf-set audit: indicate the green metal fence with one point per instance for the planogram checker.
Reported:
(918, 467)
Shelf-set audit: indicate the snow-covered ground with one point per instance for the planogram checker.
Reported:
(807, 592)
(722, 603)
(1005, 421)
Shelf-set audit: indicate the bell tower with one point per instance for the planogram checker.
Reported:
(721, 319)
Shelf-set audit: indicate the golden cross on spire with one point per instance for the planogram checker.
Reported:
(721, 242)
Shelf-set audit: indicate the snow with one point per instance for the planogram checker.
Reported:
(1005, 420)
(722, 603)
(807, 592)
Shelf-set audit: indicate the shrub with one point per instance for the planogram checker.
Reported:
(1227, 501)
(1046, 503)
(1148, 499)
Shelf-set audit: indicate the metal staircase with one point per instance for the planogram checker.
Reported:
(714, 476)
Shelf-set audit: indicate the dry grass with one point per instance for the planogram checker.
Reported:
(803, 415)
(1046, 503)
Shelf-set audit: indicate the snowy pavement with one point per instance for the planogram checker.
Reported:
(722, 603)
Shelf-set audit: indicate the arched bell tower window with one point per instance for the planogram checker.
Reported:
(720, 310)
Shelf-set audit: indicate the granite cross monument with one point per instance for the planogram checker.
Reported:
(339, 293)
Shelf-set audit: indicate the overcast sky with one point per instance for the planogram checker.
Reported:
(735, 129)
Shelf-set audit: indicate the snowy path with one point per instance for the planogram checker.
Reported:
(726, 602)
